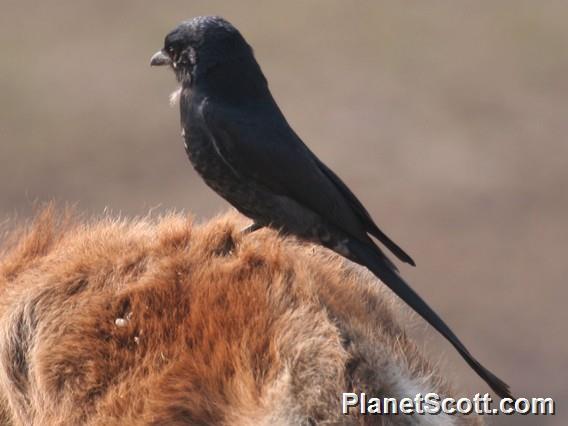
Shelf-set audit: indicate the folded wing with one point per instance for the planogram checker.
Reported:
(263, 147)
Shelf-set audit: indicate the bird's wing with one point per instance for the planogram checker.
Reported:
(258, 143)
(364, 215)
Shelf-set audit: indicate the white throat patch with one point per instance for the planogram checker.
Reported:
(174, 97)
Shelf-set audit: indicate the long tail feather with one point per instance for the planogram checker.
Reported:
(375, 261)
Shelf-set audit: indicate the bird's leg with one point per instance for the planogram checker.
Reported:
(251, 228)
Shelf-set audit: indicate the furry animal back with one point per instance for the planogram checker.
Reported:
(160, 321)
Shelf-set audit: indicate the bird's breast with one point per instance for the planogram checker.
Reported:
(206, 161)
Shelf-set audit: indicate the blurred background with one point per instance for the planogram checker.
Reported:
(448, 119)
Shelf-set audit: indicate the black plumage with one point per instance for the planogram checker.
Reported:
(238, 140)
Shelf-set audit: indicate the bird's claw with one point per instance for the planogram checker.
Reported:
(251, 228)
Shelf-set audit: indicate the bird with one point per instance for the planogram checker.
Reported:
(240, 143)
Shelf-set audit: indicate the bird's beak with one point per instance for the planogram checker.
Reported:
(160, 58)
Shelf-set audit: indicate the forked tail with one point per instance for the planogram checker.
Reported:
(378, 264)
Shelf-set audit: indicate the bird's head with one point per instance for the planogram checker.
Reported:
(195, 46)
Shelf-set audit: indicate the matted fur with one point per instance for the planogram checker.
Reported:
(164, 322)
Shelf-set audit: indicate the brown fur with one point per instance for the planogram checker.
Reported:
(162, 322)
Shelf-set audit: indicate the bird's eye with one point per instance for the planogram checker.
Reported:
(170, 50)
